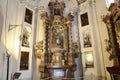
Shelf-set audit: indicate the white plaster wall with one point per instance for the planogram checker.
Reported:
(12, 14)
(84, 7)
(8, 38)
(96, 10)
(3, 59)
(95, 39)
(103, 34)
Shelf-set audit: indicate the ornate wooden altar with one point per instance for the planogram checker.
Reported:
(113, 25)
(114, 72)
(56, 50)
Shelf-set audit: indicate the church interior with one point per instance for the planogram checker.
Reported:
(59, 39)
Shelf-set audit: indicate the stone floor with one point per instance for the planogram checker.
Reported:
(78, 78)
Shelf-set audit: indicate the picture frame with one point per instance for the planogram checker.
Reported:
(28, 16)
(87, 39)
(24, 60)
(84, 19)
(89, 60)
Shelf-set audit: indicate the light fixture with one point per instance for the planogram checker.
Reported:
(12, 27)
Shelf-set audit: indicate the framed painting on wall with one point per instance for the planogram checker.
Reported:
(87, 39)
(84, 19)
(24, 60)
(89, 61)
(28, 16)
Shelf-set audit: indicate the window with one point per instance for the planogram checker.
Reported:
(108, 2)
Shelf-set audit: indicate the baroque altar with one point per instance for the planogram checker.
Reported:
(112, 22)
(57, 51)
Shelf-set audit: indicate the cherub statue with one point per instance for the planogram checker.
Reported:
(39, 51)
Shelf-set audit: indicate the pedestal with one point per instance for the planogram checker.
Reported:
(60, 72)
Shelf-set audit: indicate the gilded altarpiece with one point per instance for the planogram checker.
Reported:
(57, 50)
(113, 44)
